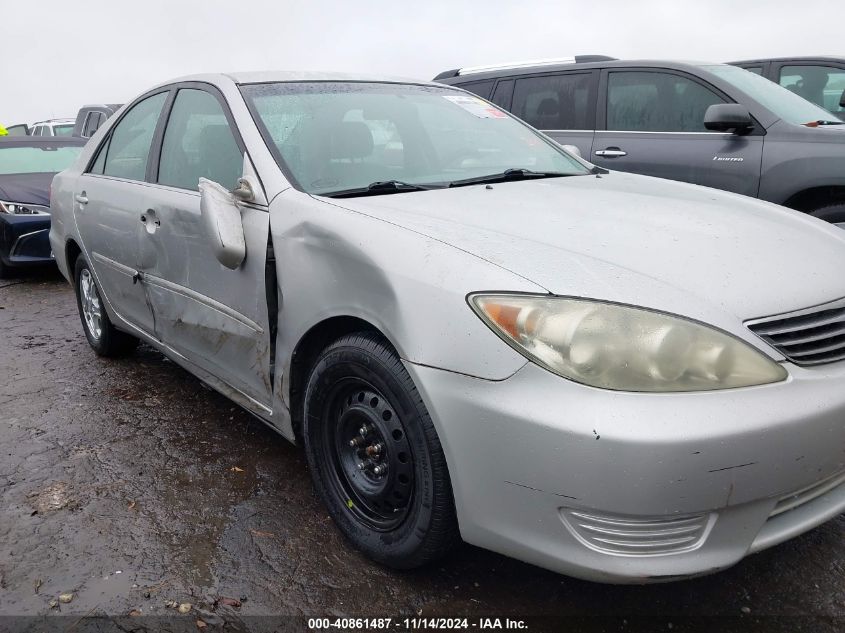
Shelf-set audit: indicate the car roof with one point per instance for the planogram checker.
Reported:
(826, 58)
(273, 76)
(38, 141)
(519, 69)
(53, 121)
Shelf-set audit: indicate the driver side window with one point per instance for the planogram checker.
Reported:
(198, 143)
(656, 102)
(822, 85)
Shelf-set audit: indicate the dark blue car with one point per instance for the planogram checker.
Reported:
(27, 167)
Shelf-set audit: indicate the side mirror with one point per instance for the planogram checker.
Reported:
(572, 149)
(842, 100)
(728, 117)
(221, 218)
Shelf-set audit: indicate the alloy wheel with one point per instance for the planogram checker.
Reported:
(89, 299)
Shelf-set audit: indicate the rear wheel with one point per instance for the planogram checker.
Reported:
(103, 337)
(833, 213)
(374, 454)
(5, 271)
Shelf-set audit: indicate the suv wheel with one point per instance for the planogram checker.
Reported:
(374, 454)
(103, 337)
(834, 213)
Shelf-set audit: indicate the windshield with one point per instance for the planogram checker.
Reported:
(781, 102)
(63, 129)
(335, 137)
(31, 160)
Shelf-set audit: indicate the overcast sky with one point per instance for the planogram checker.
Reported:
(73, 52)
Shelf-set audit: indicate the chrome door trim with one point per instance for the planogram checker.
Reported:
(723, 134)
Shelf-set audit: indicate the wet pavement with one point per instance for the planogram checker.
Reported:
(128, 484)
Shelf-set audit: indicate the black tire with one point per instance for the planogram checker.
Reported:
(104, 339)
(5, 271)
(833, 213)
(406, 517)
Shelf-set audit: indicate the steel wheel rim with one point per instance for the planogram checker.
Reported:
(92, 310)
(381, 501)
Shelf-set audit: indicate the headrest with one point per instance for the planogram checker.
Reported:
(351, 139)
(216, 137)
(548, 106)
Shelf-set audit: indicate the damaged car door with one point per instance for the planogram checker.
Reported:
(211, 314)
(109, 197)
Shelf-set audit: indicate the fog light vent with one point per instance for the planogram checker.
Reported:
(641, 536)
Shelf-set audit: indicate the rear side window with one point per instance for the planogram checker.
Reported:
(822, 85)
(129, 147)
(657, 102)
(481, 88)
(198, 142)
(553, 102)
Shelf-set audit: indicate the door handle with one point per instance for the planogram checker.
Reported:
(611, 152)
(81, 198)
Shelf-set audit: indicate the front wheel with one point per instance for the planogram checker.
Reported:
(374, 454)
(103, 337)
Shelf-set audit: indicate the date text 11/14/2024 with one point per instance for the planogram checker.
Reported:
(416, 624)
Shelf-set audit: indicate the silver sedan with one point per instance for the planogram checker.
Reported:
(473, 332)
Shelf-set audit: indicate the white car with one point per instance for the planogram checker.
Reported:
(53, 127)
(471, 331)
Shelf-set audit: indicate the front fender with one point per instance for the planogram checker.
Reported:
(798, 160)
(334, 262)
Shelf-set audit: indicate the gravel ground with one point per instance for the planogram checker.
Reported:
(128, 484)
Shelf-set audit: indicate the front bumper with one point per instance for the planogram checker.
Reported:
(626, 487)
(24, 240)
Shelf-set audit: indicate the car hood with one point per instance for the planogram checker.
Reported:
(634, 239)
(26, 188)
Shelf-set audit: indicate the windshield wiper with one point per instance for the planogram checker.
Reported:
(507, 176)
(380, 187)
(823, 122)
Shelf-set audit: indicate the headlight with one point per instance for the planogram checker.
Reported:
(15, 208)
(624, 348)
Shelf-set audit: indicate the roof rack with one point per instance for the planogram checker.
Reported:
(577, 59)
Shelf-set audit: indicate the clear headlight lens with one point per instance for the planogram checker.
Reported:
(624, 348)
(15, 208)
